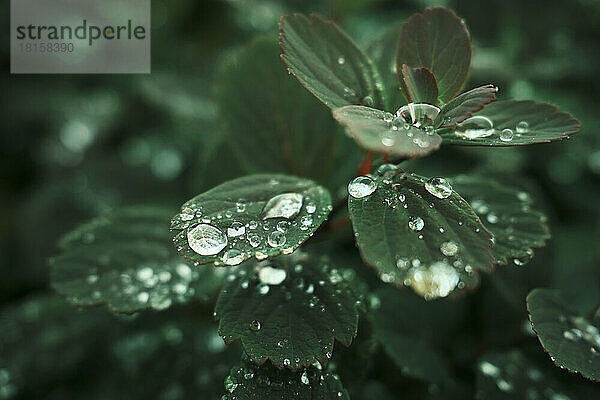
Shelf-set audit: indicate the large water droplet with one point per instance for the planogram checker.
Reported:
(420, 115)
(271, 276)
(416, 223)
(233, 257)
(475, 127)
(361, 186)
(206, 240)
(276, 239)
(439, 187)
(286, 205)
(436, 281)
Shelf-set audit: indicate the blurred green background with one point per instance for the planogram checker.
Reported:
(73, 147)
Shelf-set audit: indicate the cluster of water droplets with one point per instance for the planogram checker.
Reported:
(517, 376)
(430, 280)
(582, 331)
(416, 121)
(251, 378)
(312, 284)
(479, 126)
(154, 285)
(235, 236)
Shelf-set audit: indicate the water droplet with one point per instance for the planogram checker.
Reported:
(206, 240)
(286, 205)
(436, 281)
(142, 297)
(283, 226)
(311, 208)
(341, 60)
(522, 127)
(230, 384)
(573, 334)
(306, 221)
(475, 127)
(254, 240)
(489, 369)
(263, 288)
(361, 186)
(240, 205)
(286, 362)
(145, 273)
(233, 257)
(276, 239)
(506, 135)
(420, 115)
(449, 248)
(388, 117)
(492, 218)
(271, 276)
(439, 187)
(415, 223)
(236, 229)
(304, 378)
(504, 385)
(367, 101)
(524, 259)
(254, 325)
(388, 139)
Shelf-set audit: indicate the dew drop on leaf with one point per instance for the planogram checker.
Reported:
(419, 115)
(206, 240)
(507, 135)
(524, 259)
(276, 239)
(254, 240)
(449, 248)
(475, 127)
(522, 127)
(439, 187)
(361, 186)
(255, 325)
(415, 223)
(437, 280)
(286, 205)
(236, 229)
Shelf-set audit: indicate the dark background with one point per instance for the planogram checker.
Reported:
(73, 147)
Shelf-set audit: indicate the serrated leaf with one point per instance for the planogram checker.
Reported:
(373, 130)
(277, 119)
(327, 62)
(438, 40)
(412, 237)
(510, 375)
(380, 50)
(530, 122)
(252, 382)
(288, 310)
(46, 341)
(254, 216)
(507, 213)
(414, 342)
(464, 105)
(571, 340)
(420, 85)
(124, 260)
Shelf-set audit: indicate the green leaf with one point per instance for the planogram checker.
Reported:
(288, 310)
(571, 340)
(373, 130)
(265, 382)
(45, 341)
(327, 62)
(415, 238)
(255, 216)
(380, 51)
(420, 85)
(413, 343)
(124, 260)
(467, 103)
(276, 119)
(438, 40)
(507, 213)
(509, 375)
(529, 122)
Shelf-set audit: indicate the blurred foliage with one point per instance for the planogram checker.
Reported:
(73, 147)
